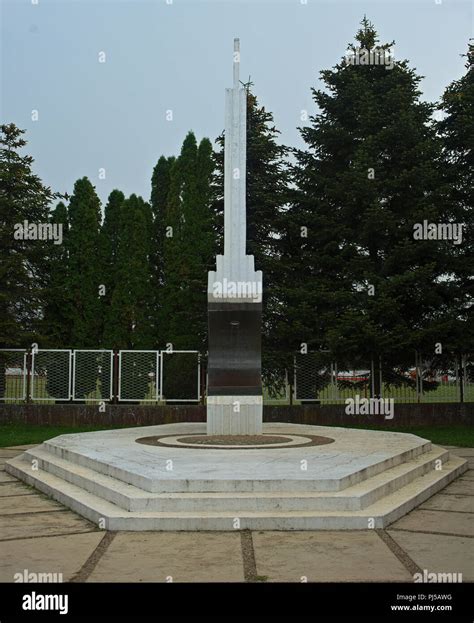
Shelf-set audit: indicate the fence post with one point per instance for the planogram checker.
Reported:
(462, 376)
(380, 378)
(294, 388)
(372, 378)
(418, 378)
(202, 384)
(28, 363)
(115, 377)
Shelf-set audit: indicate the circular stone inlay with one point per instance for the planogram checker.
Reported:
(235, 442)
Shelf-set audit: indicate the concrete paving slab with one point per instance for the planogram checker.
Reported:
(42, 524)
(6, 453)
(359, 556)
(459, 503)
(467, 452)
(446, 522)
(468, 475)
(183, 556)
(437, 553)
(15, 488)
(28, 504)
(460, 487)
(4, 477)
(23, 447)
(61, 554)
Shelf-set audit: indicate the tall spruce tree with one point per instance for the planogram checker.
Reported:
(23, 261)
(84, 260)
(128, 322)
(457, 132)
(357, 282)
(266, 196)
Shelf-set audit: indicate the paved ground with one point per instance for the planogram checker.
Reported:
(42, 536)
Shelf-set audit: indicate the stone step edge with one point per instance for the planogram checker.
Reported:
(148, 484)
(131, 498)
(108, 516)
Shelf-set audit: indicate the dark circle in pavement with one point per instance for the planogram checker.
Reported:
(229, 442)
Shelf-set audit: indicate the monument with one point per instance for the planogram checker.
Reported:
(234, 397)
(354, 479)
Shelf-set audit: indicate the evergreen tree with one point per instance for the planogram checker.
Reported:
(57, 312)
(199, 244)
(109, 241)
(356, 280)
(160, 186)
(128, 323)
(22, 261)
(457, 133)
(84, 260)
(188, 247)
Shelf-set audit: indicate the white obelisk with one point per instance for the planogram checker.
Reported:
(235, 287)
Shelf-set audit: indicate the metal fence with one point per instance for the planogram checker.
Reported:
(92, 375)
(50, 378)
(56, 376)
(139, 376)
(13, 381)
(156, 377)
(319, 379)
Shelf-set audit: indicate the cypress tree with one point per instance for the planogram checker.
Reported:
(84, 260)
(57, 313)
(128, 323)
(160, 187)
(109, 241)
(188, 246)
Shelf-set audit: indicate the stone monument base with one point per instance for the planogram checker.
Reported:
(234, 415)
(361, 479)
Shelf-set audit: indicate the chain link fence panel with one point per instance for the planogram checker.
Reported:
(51, 375)
(13, 369)
(139, 376)
(92, 375)
(315, 378)
(180, 376)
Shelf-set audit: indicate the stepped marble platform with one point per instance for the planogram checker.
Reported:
(363, 479)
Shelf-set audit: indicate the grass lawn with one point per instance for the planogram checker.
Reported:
(26, 434)
(20, 434)
(461, 435)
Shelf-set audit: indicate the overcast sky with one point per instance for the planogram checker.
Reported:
(178, 56)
